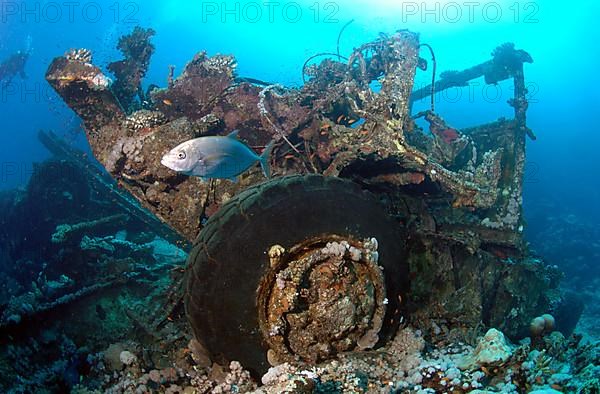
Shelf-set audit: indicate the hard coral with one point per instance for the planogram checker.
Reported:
(145, 119)
(492, 350)
(129, 72)
(542, 325)
(79, 55)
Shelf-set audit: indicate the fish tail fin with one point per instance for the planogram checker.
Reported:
(265, 159)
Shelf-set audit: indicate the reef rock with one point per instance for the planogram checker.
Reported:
(492, 350)
(127, 358)
(112, 356)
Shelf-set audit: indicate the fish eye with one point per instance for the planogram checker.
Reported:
(181, 155)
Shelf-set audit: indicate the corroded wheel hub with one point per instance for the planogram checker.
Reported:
(322, 297)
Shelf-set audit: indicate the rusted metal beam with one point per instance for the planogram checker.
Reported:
(106, 186)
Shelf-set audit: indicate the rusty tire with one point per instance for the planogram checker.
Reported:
(229, 258)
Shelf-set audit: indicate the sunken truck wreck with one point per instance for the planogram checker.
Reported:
(368, 220)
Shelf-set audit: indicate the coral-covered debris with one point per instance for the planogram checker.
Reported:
(335, 125)
(458, 192)
(411, 363)
(129, 72)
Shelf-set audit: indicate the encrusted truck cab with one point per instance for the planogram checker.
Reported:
(452, 196)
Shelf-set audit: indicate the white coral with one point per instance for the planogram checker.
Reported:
(492, 350)
(127, 357)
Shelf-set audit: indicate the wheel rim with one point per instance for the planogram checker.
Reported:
(324, 296)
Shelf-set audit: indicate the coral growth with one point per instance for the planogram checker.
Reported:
(129, 72)
(491, 351)
(79, 55)
(144, 119)
(506, 62)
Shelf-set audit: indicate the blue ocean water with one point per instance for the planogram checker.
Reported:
(271, 41)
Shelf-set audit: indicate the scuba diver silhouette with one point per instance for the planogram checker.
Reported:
(12, 66)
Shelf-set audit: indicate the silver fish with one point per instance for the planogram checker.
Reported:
(223, 157)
